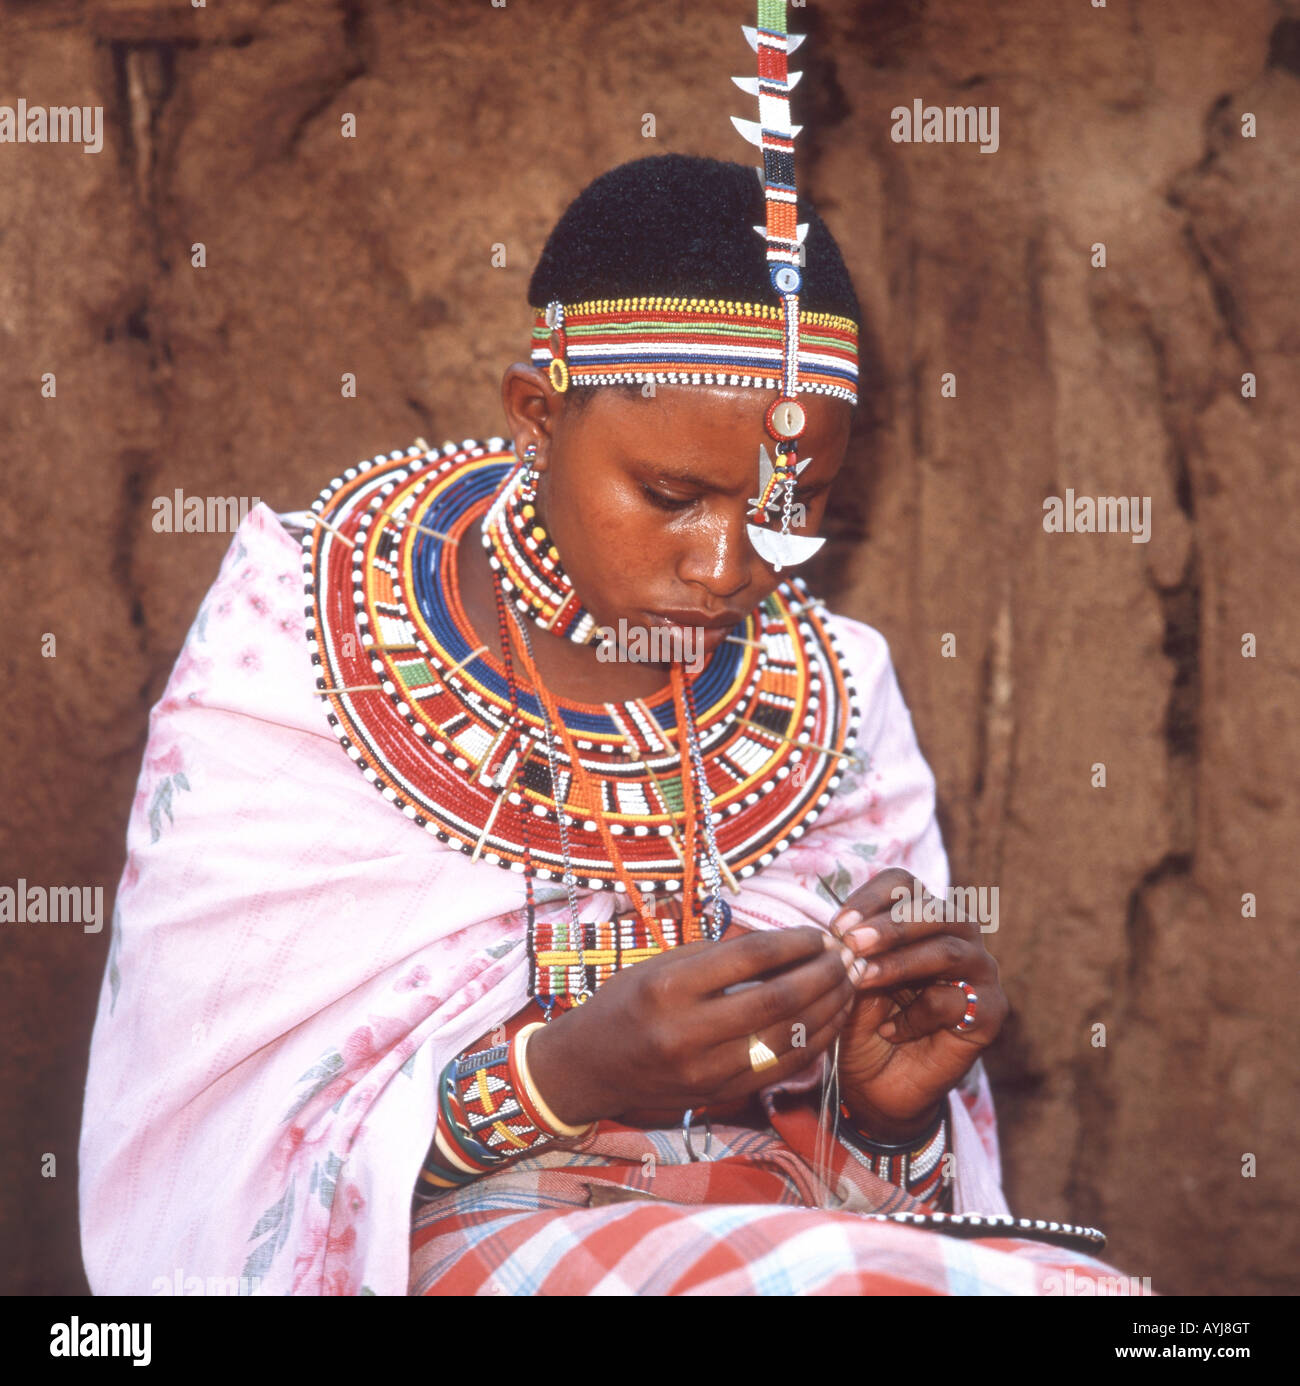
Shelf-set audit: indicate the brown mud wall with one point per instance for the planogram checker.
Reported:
(475, 124)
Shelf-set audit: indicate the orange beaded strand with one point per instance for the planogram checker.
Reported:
(592, 791)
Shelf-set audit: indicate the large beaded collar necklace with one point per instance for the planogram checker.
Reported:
(424, 710)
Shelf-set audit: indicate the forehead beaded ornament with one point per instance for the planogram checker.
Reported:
(709, 341)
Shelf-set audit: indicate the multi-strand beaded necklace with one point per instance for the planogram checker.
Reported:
(593, 797)
(527, 565)
(714, 915)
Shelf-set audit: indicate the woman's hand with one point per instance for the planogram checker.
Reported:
(661, 1036)
(899, 1054)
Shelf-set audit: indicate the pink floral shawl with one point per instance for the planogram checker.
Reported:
(292, 963)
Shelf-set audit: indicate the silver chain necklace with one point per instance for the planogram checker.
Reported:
(712, 863)
(570, 881)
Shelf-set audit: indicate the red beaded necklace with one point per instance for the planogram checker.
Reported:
(426, 715)
(513, 642)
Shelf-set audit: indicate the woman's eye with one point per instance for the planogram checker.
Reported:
(657, 498)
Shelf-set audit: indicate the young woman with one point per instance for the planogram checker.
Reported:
(597, 975)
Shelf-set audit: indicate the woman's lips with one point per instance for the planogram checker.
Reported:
(722, 623)
(707, 632)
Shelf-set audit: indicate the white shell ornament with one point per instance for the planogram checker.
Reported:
(788, 418)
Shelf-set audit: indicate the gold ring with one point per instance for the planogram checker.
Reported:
(761, 1057)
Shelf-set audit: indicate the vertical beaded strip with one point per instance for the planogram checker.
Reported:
(774, 136)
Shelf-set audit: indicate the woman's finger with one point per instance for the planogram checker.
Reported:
(945, 957)
(878, 895)
(939, 1007)
(716, 966)
(787, 1038)
(787, 999)
(790, 1060)
(901, 924)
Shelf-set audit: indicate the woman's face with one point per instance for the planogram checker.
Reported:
(647, 500)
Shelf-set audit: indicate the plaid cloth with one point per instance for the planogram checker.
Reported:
(263, 1077)
(626, 1211)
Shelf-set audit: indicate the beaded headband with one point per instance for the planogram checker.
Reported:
(681, 341)
(691, 341)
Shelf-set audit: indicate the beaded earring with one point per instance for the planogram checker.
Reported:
(528, 480)
(520, 549)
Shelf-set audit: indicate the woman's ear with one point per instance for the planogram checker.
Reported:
(531, 408)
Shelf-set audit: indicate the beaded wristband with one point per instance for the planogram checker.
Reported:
(488, 1113)
(915, 1165)
(528, 1095)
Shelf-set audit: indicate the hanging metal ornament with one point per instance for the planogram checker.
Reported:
(780, 549)
(774, 135)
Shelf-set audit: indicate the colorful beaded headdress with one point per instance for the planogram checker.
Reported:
(707, 341)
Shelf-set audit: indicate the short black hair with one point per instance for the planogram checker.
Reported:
(681, 226)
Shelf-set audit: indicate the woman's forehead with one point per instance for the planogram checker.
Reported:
(702, 433)
(710, 409)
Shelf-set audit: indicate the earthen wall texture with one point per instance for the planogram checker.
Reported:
(1120, 906)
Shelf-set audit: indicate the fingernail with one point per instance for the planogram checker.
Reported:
(842, 923)
(863, 939)
(871, 970)
(856, 971)
(887, 1030)
(849, 958)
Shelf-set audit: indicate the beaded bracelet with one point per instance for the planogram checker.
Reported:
(489, 1112)
(529, 1098)
(916, 1165)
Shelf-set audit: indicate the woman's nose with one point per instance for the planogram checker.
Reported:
(720, 557)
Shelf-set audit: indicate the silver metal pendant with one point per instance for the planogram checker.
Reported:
(765, 470)
(782, 550)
